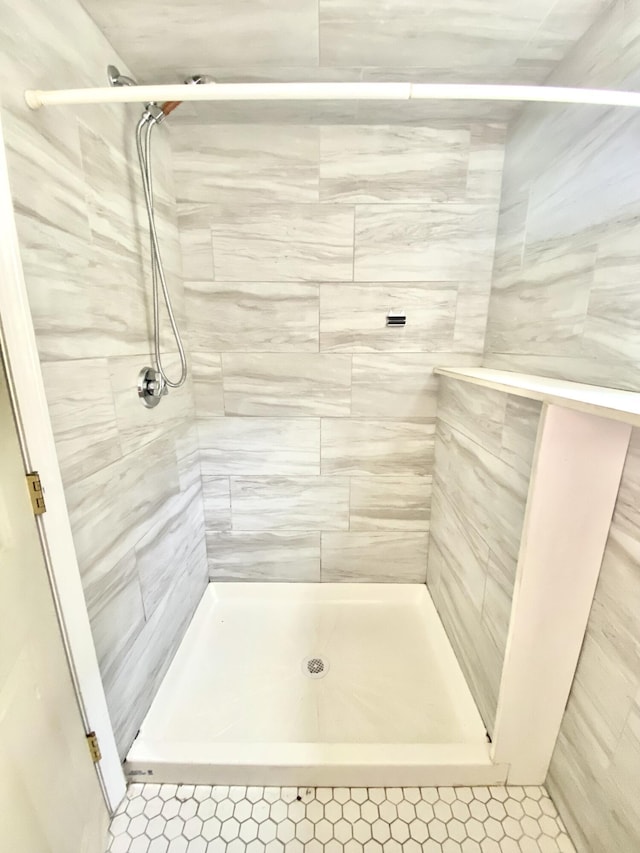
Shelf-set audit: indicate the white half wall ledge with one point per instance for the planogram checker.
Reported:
(591, 399)
(576, 473)
(36, 98)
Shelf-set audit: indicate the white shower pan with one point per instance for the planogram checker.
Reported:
(314, 684)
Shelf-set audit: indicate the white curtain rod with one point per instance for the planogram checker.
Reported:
(37, 98)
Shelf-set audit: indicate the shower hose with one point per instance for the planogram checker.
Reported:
(143, 143)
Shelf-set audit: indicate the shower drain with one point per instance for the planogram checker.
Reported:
(315, 666)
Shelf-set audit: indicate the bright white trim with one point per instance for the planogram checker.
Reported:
(18, 341)
(36, 98)
(576, 473)
(348, 765)
(592, 399)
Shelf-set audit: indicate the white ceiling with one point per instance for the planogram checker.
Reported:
(484, 41)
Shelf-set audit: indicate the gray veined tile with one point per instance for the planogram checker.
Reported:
(206, 368)
(282, 384)
(496, 605)
(478, 413)
(37, 150)
(374, 557)
(612, 321)
(463, 552)
(465, 39)
(138, 425)
(216, 497)
(116, 611)
(195, 241)
(252, 316)
(427, 242)
(380, 503)
(260, 446)
(83, 417)
(520, 432)
(294, 113)
(472, 308)
(112, 509)
(486, 161)
(290, 503)
(264, 556)
(268, 34)
(541, 308)
(283, 242)
(376, 447)
(173, 549)
(353, 316)
(489, 494)
(394, 385)
(79, 308)
(132, 686)
(112, 190)
(363, 164)
(244, 164)
(476, 654)
(185, 440)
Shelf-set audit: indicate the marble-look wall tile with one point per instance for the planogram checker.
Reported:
(565, 303)
(283, 242)
(206, 372)
(599, 742)
(267, 384)
(82, 416)
(394, 385)
(486, 161)
(478, 413)
(232, 164)
(110, 510)
(116, 612)
(390, 503)
(393, 164)
(287, 348)
(472, 306)
(353, 317)
(131, 687)
(428, 242)
(543, 303)
(474, 650)
(252, 316)
(500, 39)
(84, 246)
(485, 443)
(259, 446)
(138, 426)
(374, 557)
(216, 496)
(268, 34)
(195, 242)
(362, 447)
(176, 540)
(290, 503)
(272, 556)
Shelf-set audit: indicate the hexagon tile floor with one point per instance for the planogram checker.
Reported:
(205, 819)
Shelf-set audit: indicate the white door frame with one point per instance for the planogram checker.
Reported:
(26, 387)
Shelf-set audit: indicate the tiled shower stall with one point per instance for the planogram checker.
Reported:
(313, 443)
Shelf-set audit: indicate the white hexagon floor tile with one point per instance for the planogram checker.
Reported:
(217, 819)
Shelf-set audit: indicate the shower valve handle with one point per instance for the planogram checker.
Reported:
(151, 387)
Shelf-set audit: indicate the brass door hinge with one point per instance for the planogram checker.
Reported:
(35, 492)
(94, 747)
